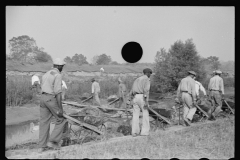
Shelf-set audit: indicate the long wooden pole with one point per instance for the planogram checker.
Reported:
(229, 107)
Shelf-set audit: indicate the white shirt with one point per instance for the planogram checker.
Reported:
(64, 85)
(34, 79)
(199, 86)
(101, 69)
(95, 87)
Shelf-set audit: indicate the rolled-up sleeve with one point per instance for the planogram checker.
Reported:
(202, 89)
(57, 87)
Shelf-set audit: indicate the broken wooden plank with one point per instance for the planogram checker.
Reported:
(163, 118)
(106, 108)
(229, 106)
(202, 111)
(83, 124)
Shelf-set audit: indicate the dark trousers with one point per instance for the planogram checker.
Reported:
(45, 120)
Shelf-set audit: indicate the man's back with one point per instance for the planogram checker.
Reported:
(95, 87)
(216, 83)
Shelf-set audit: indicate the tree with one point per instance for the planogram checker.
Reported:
(114, 63)
(25, 49)
(170, 67)
(79, 59)
(94, 59)
(103, 59)
(67, 59)
(214, 61)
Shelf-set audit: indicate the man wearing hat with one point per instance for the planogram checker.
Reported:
(216, 92)
(139, 95)
(122, 90)
(51, 106)
(187, 91)
(96, 91)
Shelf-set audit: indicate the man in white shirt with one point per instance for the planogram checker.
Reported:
(36, 83)
(64, 88)
(200, 87)
(101, 69)
(95, 91)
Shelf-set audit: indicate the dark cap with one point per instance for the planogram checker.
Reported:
(147, 70)
(192, 73)
(93, 79)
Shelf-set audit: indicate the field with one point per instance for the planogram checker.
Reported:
(212, 140)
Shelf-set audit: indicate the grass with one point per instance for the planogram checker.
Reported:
(213, 140)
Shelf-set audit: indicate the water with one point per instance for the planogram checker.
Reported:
(21, 133)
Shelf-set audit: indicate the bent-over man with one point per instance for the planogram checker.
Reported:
(139, 96)
(199, 87)
(187, 91)
(36, 83)
(51, 106)
(216, 92)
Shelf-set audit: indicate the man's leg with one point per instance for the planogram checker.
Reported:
(192, 109)
(135, 119)
(97, 99)
(120, 102)
(145, 120)
(185, 107)
(44, 125)
(218, 101)
(57, 133)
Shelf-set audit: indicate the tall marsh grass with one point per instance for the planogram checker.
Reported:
(18, 90)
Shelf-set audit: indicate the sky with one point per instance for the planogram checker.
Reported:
(94, 30)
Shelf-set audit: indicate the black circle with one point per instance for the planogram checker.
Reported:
(132, 52)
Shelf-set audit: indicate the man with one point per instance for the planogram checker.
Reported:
(95, 91)
(36, 83)
(198, 87)
(122, 90)
(64, 88)
(139, 96)
(216, 92)
(187, 91)
(51, 106)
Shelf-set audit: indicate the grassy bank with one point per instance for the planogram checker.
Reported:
(213, 140)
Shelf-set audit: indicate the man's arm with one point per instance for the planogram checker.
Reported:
(58, 92)
(146, 91)
(222, 86)
(92, 88)
(193, 88)
(203, 90)
(178, 90)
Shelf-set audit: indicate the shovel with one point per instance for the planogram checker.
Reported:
(86, 99)
(114, 101)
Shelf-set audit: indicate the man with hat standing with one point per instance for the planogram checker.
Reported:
(96, 91)
(139, 96)
(51, 106)
(216, 92)
(187, 91)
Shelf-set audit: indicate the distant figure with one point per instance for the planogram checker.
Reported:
(96, 91)
(101, 70)
(122, 93)
(64, 88)
(216, 92)
(33, 128)
(187, 92)
(36, 83)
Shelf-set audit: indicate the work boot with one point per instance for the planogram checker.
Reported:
(217, 111)
(53, 145)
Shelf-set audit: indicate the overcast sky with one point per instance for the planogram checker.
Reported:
(65, 30)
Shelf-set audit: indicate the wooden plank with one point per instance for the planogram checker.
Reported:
(202, 111)
(229, 107)
(106, 108)
(83, 124)
(163, 118)
(114, 101)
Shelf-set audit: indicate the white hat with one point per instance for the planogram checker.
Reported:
(219, 72)
(58, 61)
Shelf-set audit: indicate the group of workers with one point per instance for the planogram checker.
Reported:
(188, 94)
(138, 97)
